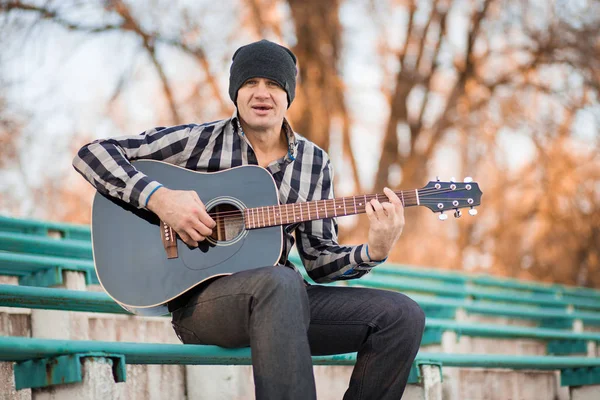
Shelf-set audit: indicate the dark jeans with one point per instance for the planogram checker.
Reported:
(284, 321)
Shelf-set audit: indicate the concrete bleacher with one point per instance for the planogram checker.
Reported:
(52, 313)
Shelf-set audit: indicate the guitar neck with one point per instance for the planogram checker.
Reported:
(285, 214)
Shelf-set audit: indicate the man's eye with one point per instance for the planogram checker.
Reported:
(250, 82)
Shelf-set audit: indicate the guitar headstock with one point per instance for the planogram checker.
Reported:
(441, 196)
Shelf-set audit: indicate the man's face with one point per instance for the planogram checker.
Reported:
(262, 103)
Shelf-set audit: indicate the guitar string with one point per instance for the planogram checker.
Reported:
(286, 217)
(329, 211)
(409, 196)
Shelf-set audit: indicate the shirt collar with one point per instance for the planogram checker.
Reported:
(292, 140)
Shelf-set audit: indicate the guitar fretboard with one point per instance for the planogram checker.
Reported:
(285, 214)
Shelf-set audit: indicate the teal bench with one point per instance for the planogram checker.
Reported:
(456, 280)
(44, 228)
(559, 341)
(460, 291)
(562, 291)
(29, 236)
(43, 270)
(38, 358)
(445, 307)
(41, 245)
(565, 292)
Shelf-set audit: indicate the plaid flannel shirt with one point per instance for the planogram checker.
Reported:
(304, 174)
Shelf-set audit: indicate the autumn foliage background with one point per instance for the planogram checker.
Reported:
(398, 91)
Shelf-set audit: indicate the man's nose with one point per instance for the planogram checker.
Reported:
(261, 90)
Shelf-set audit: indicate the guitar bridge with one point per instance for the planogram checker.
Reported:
(169, 239)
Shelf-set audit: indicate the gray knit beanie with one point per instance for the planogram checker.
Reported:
(263, 59)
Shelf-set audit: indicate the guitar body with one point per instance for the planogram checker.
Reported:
(129, 255)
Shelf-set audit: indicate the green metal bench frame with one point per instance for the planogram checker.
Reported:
(559, 341)
(40, 270)
(575, 371)
(44, 228)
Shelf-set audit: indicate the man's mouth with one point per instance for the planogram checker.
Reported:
(262, 107)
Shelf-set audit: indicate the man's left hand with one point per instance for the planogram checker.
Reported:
(386, 224)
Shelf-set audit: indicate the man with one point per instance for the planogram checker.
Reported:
(271, 309)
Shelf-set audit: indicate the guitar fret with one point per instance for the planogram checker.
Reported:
(260, 217)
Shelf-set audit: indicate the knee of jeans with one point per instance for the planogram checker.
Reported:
(404, 311)
(283, 284)
(280, 278)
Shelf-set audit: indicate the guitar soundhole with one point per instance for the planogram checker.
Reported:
(230, 223)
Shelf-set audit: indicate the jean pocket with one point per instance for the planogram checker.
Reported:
(185, 335)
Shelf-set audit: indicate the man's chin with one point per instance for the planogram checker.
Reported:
(261, 124)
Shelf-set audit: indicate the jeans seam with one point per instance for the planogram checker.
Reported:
(362, 374)
(326, 322)
(177, 327)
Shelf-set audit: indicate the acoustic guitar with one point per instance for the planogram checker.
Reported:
(142, 264)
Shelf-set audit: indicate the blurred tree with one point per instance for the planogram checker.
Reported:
(321, 97)
(9, 134)
(525, 67)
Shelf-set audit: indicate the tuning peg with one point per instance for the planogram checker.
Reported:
(443, 216)
(453, 179)
(472, 211)
(457, 213)
(437, 178)
(468, 179)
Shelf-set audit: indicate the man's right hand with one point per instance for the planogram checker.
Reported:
(183, 211)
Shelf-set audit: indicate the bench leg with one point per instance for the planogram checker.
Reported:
(430, 388)
(590, 392)
(98, 383)
(57, 324)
